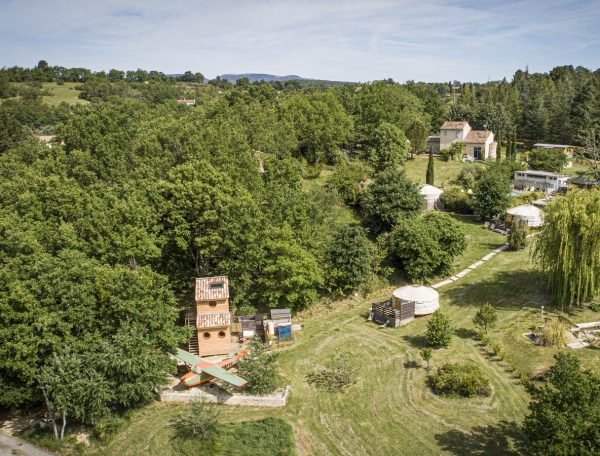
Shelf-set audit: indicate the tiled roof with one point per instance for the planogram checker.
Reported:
(220, 320)
(477, 136)
(212, 288)
(452, 125)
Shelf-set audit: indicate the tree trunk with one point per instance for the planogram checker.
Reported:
(64, 425)
(50, 412)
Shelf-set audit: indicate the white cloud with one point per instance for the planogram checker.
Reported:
(350, 40)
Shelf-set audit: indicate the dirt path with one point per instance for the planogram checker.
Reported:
(10, 445)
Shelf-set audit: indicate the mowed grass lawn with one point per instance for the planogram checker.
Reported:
(445, 172)
(392, 410)
(66, 93)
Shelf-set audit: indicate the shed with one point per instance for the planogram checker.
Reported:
(527, 212)
(425, 299)
(431, 196)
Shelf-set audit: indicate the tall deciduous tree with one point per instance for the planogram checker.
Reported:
(568, 247)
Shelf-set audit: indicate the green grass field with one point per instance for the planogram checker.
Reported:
(66, 93)
(445, 172)
(392, 410)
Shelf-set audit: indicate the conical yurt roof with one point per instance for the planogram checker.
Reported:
(430, 190)
(417, 293)
(525, 210)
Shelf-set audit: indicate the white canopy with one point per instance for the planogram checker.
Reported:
(529, 213)
(430, 190)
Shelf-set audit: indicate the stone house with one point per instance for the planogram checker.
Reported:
(479, 144)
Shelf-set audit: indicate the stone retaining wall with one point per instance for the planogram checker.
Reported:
(222, 397)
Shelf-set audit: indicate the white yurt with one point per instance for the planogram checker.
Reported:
(426, 300)
(431, 195)
(528, 212)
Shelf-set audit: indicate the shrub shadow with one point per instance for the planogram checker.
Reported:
(504, 438)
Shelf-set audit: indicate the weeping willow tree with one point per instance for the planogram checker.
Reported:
(568, 247)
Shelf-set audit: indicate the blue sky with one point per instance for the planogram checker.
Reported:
(429, 40)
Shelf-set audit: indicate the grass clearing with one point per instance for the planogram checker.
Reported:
(66, 93)
(445, 172)
(392, 410)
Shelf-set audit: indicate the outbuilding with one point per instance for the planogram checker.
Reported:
(431, 196)
(527, 212)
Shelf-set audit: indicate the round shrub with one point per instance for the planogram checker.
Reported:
(457, 201)
(460, 380)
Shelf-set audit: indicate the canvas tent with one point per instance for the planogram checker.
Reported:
(431, 196)
(527, 212)
(426, 300)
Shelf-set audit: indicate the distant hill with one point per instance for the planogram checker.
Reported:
(254, 77)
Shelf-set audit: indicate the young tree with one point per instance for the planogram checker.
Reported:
(564, 414)
(339, 374)
(439, 330)
(485, 317)
(200, 423)
(349, 257)
(547, 160)
(429, 177)
(568, 247)
(417, 135)
(517, 236)
(426, 355)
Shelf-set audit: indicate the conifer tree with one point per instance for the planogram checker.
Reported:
(429, 178)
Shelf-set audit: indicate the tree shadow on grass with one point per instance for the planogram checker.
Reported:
(465, 333)
(417, 341)
(504, 438)
(513, 289)
(411, 364)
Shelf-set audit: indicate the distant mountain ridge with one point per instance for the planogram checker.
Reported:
(254, 77)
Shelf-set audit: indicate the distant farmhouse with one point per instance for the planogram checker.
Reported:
(479, 144)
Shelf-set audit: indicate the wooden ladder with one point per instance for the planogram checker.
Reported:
(190, 320)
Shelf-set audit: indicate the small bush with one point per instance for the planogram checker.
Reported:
(554, 334)
(497, 349)
(200, 423)
(460, 380)
(595, 306)
(439, 330)
(517, 237)
(468, 176)
(457, 201)
(339, 374)
(108, 426)
(258, 368)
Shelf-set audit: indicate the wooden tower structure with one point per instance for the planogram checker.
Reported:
(211, 318)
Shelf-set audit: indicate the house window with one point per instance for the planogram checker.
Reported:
(216, 285)
(206, 335)
(212, 303)
(458, 134)
(221, 333)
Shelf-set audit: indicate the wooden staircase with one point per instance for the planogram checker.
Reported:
(190, 320)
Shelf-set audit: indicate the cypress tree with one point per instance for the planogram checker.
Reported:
(508, 146)
(429, 177)
(513, 152)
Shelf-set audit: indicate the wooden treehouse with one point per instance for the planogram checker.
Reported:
(210, 317)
